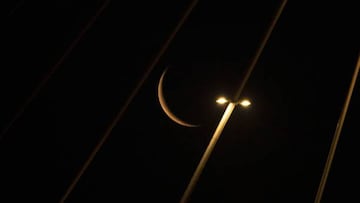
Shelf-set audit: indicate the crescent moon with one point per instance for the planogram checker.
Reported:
(165, 107)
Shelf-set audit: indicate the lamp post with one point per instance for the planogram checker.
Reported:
(228, 111)
(230, 107)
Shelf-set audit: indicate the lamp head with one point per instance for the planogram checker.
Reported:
(244, 102)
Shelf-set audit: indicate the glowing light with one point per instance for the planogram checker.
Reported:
(245, 103)
(221, 100)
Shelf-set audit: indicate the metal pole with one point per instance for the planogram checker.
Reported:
(229, 109)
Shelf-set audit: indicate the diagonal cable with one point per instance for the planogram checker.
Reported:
(259, 51)
(52, 70)
(127, 103)
(337, 133)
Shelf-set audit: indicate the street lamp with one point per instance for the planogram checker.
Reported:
(229, 109)
(244, 102)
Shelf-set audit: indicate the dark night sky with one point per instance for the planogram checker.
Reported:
(273, 152)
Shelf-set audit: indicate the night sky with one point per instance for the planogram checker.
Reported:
(274, 151)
